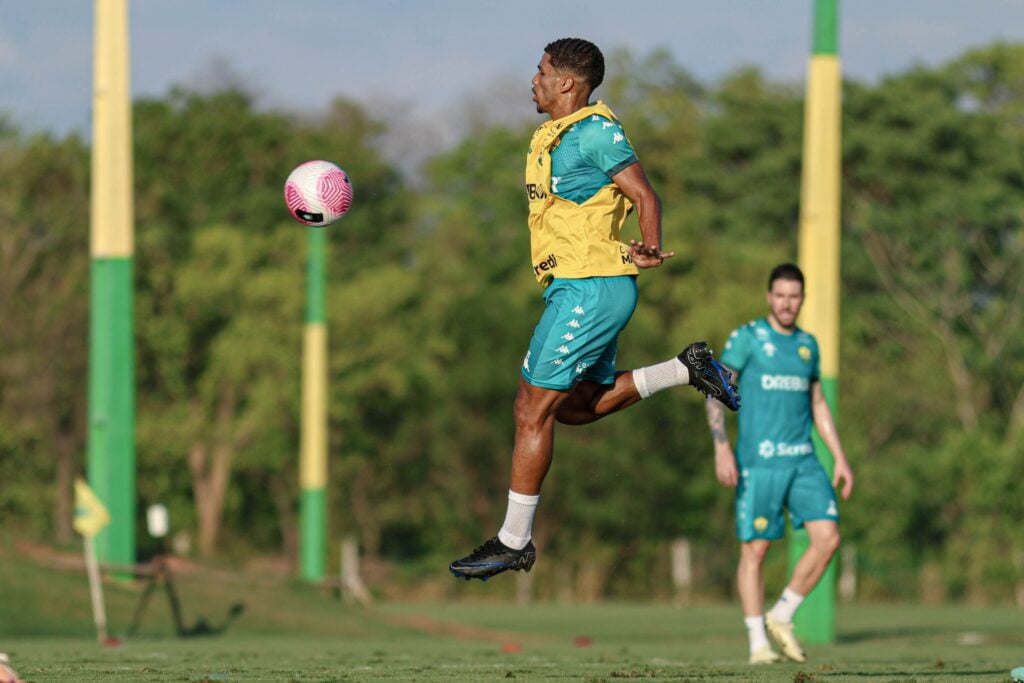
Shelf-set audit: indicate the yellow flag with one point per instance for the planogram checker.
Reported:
(90, 513)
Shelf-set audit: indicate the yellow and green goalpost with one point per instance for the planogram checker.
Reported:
(819, 259)
(111, 390)
(313, 449)
(111, 397)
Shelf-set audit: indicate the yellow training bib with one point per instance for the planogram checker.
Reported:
(567, 239)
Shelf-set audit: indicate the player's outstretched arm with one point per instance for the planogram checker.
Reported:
(633, 182)
(826, 427)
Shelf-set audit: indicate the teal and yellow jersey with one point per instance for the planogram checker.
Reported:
(588, 154)
(576, 211)
(776, 372)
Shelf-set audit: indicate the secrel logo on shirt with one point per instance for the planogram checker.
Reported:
(784, 383)
(769, 449)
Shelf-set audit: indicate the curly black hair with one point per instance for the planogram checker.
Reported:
(579, 57)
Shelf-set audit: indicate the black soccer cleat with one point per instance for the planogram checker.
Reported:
(708, 376)
(493, 557)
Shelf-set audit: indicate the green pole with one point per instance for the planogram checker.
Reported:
(819, 259)
(111, 382)
(313, 455)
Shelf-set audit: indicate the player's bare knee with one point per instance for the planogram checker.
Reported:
(576, 414)
(569, 417)
(578, 407)
(754, 551)
(827, 543)
(530, 414)
(526, 415)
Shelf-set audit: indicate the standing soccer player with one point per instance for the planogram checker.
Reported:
(583, 180)
(775, 468)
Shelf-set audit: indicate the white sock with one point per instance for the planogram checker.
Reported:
(517, 529)
(786, 606)
(660, 376)
(756, 633)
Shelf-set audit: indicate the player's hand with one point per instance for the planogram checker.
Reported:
(841, 472)
(725, 466)
(646, 255)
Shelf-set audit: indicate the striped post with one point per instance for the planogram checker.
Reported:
(313, 456)
(819, 259)
(111, 397)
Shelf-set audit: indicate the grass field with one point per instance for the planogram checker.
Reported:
(291, 632)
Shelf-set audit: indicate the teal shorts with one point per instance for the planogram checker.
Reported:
(577, 337)
(764, 493)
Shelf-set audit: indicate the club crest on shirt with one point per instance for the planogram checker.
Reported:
(804, 353)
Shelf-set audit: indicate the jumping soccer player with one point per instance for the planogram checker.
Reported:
(582, 181)
(775, 467)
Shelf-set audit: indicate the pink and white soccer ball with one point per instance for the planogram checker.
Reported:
(318, 193)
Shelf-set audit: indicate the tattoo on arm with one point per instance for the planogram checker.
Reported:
(716, 419)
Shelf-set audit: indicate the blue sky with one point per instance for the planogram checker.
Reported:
(431, 56)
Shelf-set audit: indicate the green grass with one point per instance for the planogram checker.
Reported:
(292, 632)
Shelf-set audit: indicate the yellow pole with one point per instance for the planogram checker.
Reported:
(313, 454)
(111, 436)
(819, 259)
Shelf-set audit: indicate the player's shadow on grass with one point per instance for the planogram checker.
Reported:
(908, 675)
(896, 632)
(203, 627)
(159, 573)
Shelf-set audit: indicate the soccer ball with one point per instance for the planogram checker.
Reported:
(317, 193)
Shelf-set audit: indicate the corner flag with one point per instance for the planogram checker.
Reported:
(91, 514)
(91, 517)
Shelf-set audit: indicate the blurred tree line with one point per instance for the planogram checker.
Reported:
(431, 302)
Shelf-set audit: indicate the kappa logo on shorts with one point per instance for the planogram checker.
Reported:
(832, 510)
